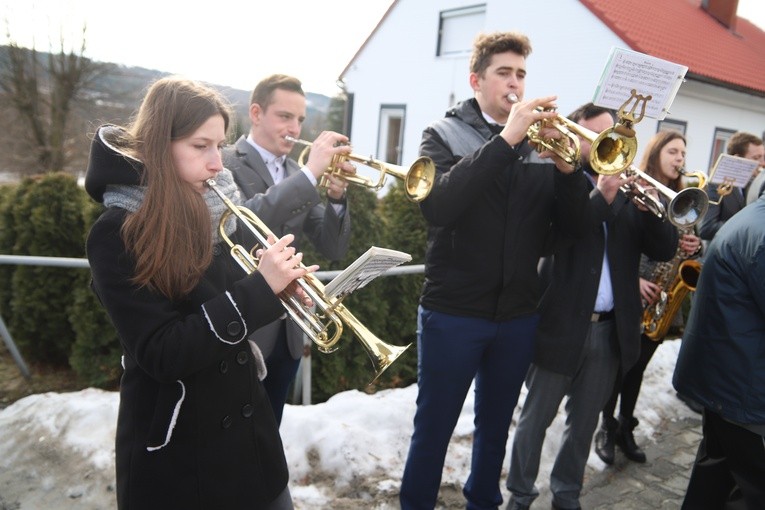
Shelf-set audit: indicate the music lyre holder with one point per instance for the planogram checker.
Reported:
(629, 119)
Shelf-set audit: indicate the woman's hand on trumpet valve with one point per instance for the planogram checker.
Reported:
(280, 266)
(326, 146)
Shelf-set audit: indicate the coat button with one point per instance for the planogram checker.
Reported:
(226, 422)
(233, 328)
(217, 250)
(241, 357)
(223, 367)
(247, 410)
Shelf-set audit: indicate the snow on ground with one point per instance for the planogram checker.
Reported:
(57, 449)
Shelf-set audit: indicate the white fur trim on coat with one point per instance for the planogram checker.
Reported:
(212, 327)
(172, 421)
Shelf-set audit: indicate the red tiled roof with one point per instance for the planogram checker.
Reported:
(682, 32)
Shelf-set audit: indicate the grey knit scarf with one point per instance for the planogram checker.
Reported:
(130, 197)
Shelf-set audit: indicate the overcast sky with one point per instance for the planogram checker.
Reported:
(226, 42)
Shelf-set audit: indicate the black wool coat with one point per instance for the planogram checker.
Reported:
(195, 429)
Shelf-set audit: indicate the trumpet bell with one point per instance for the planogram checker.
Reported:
(380, 353)
(418, 178)
(418, 181)
(612, 152)
(688, 207)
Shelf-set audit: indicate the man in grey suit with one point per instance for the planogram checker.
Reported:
(588, 330)
(286, 198)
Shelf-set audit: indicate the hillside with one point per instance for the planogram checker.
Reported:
(111, 96)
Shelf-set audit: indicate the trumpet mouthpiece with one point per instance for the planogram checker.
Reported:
(512, 98)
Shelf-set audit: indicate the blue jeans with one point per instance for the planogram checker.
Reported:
(452, 351)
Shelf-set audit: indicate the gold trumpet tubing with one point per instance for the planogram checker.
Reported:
(324, 334)
(611, 151)
(380, 353)
(294, 309)
(418, 178)
(358, 180)
(568, 152)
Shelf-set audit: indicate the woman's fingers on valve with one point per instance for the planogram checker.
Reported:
(284, 241)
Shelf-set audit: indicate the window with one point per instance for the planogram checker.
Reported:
(719, 144)
(457, 28)
(391, 133)
(672, 125)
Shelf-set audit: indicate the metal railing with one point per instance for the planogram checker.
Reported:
(78, 263)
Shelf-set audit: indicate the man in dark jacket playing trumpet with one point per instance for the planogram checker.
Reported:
(589, 330)
(494, 205)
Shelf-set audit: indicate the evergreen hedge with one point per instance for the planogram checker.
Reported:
(48, 221)
(55, 318)
(7, 240)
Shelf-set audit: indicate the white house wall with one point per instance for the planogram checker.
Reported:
(706, 108)
(570, 45)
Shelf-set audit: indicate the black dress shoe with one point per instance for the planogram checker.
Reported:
(556, 507)
(514, 505)
(625, 440)
(604, 440)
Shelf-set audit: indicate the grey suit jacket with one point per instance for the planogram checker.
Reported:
(291, 207)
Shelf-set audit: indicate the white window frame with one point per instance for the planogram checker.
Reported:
(457, 29)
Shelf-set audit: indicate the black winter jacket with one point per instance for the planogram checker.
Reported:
(195, 429)
(492, 212)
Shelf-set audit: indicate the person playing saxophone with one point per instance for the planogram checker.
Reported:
(663, 158)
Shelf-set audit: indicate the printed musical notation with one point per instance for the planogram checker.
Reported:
(732, 170)
(650, 76)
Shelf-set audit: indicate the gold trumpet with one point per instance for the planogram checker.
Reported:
(418, 178)
(612, 150)
(325, 326)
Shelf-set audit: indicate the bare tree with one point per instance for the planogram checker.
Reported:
(41, 89)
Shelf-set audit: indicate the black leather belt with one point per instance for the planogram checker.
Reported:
(602, 316)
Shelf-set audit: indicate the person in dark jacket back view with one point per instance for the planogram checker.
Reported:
(493, 209)
(195, 429)
(721, 365)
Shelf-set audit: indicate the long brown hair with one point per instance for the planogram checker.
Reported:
(651, 163)
(170, 234)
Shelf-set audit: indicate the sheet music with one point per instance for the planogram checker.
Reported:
(649, 76)
(733, 169)
(374, 262)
